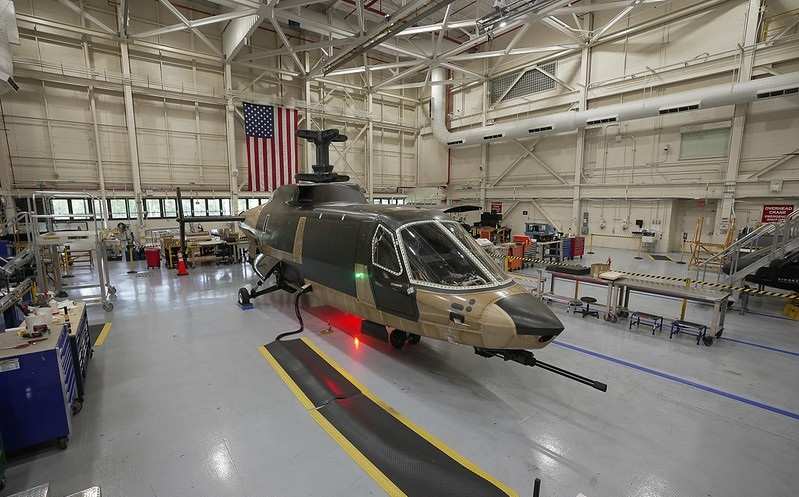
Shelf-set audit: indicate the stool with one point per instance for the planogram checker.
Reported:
(637, 318)
(587, 310)
(575, 306)
(700, 330)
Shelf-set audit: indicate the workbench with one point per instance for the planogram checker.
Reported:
(716, 298)
(620, 289)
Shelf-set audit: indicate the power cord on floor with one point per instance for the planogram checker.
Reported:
(305, 289)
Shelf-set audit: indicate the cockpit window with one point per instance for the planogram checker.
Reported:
(384, 251)
(440, 254)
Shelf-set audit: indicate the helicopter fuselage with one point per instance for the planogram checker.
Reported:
(404, 267)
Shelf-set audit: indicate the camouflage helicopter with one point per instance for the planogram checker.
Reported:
(408, 272)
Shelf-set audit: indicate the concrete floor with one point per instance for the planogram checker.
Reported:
(180, 403)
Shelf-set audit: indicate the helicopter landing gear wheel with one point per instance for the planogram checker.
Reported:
(244, 296)
(398, 339)
(108, 306)
(413, 338)
(708, 341)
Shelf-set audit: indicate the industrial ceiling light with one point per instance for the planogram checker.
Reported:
(506, 11)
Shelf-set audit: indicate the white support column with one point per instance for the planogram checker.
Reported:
(308, 125)
(726, 213)
(130, 121)
(370, 141)
(230, 138)
(7, 177)
(87, 59)
(579, 156)
(483, 151)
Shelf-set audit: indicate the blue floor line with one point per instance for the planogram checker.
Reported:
(761, 346)
(684, 381)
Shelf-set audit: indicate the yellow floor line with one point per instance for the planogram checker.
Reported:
(101, 338)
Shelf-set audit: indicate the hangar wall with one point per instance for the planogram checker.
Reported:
(65, 62)
(667, 171)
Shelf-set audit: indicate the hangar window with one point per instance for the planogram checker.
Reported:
(704, 143)
(153, 207)
(133, 208)
(213, 207)
(61, 208)
(118, 208)
(384, 251)
(198, 204)
(522, 83)
(169, 208)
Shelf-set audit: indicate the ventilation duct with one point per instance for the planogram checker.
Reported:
(9, 35)
(705, 98)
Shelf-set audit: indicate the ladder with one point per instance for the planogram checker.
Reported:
(757, 248)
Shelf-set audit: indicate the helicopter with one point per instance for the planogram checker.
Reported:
(408, 272)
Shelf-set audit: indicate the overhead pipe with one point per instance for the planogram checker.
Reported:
(705, 98)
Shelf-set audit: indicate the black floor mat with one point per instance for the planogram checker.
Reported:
(409, 460)
(660, 257)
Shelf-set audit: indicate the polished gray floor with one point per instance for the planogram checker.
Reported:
(180, 403)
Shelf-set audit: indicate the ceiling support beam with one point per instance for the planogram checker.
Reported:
(516, 39)
(306, 47)
(561, 27)
(400, 76)
(195, 23)
(618, 17)
(199, 34)
(441, 33)
(462, 69)
(87, 16)
(524, 20)
(514, 51)
(285, 41)
(238, 31)
(399, 21)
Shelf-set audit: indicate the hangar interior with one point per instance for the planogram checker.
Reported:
(557, 254)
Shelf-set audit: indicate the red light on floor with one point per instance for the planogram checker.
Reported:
(357, 342)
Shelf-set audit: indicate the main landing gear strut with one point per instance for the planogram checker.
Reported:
(528, 359)
(246, 294)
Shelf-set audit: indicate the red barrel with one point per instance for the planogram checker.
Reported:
(153, 256)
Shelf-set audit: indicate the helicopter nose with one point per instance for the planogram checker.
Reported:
(530, 315)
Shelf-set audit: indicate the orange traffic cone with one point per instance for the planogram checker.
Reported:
(182, 271)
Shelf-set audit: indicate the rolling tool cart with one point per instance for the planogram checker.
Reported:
(38, 389)
(2, 465)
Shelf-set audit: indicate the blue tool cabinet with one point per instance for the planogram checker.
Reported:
(38, 386)
(81, 351)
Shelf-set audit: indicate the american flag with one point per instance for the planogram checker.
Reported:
(272, 148)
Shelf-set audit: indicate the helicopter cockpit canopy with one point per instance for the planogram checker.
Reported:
(441, 254)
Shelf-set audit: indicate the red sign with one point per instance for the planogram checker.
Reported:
(776, 213)
(496, 207)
